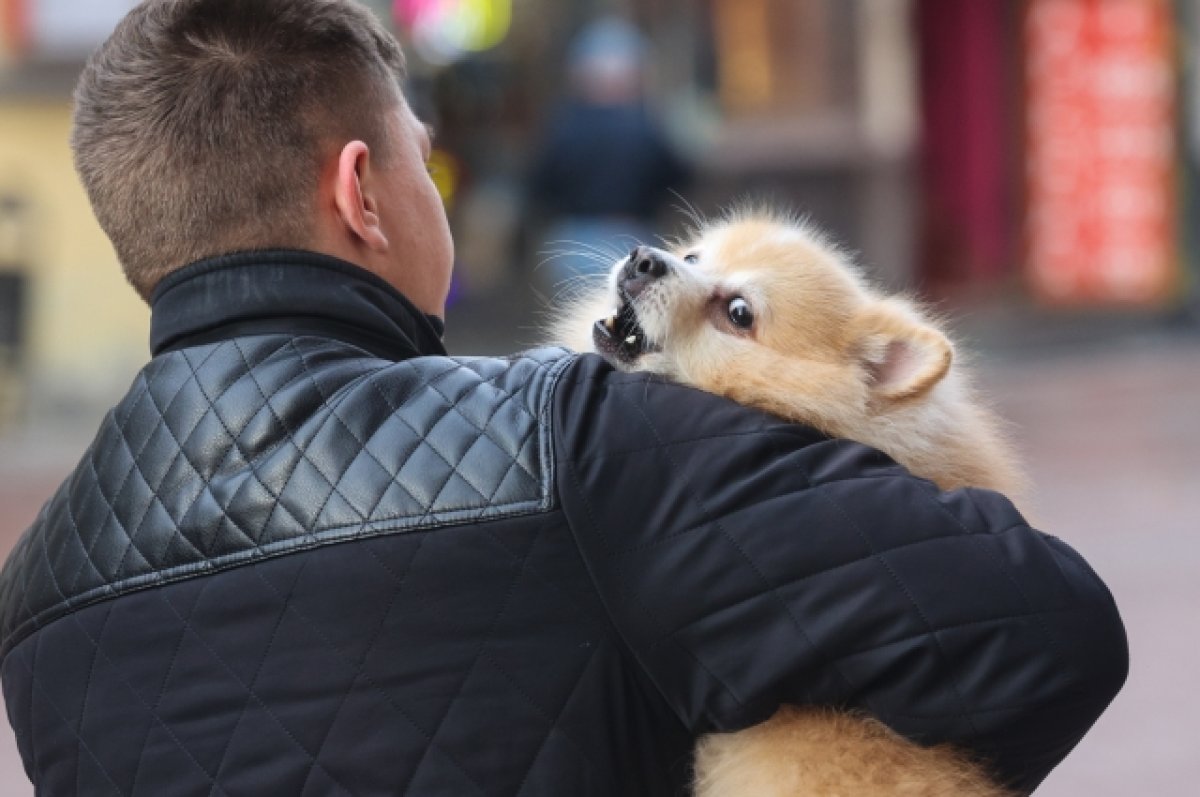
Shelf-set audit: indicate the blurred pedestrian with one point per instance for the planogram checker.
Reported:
(605, 166)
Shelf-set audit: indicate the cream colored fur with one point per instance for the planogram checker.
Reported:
(827, 350)
(819, 753)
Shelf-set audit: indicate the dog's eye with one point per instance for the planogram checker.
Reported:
(740, 313)
(692, 258)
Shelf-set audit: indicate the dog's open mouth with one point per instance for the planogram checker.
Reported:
(620, 336)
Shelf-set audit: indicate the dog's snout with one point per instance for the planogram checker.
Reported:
(645, 265)
(647, 262)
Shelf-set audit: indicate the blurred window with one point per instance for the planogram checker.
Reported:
(784, 58)
(12, 313)
(812, 82)
(13, 240)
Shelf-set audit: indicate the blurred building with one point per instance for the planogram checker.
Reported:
(1036, 151)
(72, 331)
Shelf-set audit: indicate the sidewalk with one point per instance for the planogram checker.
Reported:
(1113, 443)
(1112, 436)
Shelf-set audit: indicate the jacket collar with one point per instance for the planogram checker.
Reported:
(289, 292)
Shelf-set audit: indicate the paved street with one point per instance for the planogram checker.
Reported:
(1113, 442)
(1112, 437)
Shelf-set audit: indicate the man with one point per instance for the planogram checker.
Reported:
(310, 554)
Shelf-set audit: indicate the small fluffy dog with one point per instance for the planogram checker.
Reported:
(764, 310)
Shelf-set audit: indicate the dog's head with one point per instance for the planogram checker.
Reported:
(767, 311)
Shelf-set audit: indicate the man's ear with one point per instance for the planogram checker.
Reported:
(353, 195)
(902, 355)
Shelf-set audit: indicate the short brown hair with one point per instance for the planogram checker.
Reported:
(199, 124)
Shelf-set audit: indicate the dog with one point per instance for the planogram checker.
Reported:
(763, 309)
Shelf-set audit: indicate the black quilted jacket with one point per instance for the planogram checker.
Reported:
(309, 554)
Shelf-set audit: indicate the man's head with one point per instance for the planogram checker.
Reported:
(210, 126)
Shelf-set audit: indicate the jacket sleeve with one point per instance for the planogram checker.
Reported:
(749, 563)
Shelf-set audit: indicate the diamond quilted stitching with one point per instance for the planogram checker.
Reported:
(47, 699)
(366, 480)
(250, 686)
(64, 515)
(418, 479)
(155, 706)
(466, 680)
(83, 710)
(397, 580)
(358, 665)
(881, 557)
(517, 452)
(212, 402)
(356, 448)
(310, 728)
(163, 413)
(114, 676)
(330, 444)
(96, 494)
(395, 427)
(769, 588)
(553, 729)
(251, 506)
(492, 402)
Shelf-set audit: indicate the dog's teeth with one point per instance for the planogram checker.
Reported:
(610, 323)
(632, 339)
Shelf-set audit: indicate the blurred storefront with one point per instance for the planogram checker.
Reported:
(1102, 211)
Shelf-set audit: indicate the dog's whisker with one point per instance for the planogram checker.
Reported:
(588, 256)
(610, 254)
(570, 252)
(673, 242)
(690, 212)
(556, 256)
(569, 293)
(633, 242)
(578, 284)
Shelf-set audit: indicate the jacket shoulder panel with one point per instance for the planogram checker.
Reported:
(232, 452)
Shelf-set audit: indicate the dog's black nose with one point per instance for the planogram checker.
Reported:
(645, 266)
(647, 263)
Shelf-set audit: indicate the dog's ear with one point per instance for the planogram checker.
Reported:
(902, 355)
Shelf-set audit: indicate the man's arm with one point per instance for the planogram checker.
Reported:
(750, 563)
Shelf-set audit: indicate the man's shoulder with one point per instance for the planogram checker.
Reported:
(260, 446)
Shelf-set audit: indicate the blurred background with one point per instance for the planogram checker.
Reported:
(1027, 166)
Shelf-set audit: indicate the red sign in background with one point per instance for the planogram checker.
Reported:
(1100, 145)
